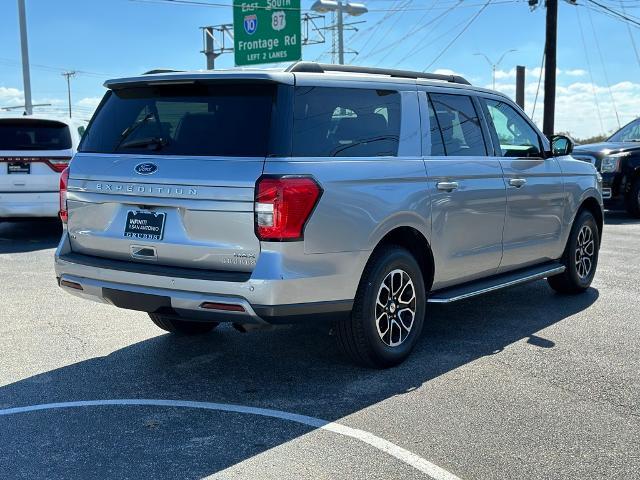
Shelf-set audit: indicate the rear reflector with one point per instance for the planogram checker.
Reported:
(68, 284)
(227, 307)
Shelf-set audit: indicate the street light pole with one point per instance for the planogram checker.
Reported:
(494, 66)
(340, 34)
(26, 76)
(339, 7)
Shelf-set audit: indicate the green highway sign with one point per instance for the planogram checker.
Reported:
(266, 31)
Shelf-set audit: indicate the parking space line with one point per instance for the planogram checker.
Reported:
(433, 471)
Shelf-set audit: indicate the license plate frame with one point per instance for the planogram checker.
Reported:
(144, 225)
(18, 168)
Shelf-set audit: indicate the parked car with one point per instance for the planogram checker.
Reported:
(34, 150)
(618, 159)
(349, 194)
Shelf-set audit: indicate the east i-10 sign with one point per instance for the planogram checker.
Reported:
(266, 31)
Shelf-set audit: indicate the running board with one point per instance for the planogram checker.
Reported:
(498, 282)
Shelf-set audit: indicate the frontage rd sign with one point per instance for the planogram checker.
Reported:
(266, 31)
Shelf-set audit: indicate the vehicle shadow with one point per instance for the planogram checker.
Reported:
(294, 369)
(619, 217)
(29, 235)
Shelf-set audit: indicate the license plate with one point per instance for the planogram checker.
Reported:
(19, 167)
(144, 225)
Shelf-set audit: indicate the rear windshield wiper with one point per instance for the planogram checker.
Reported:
(132, 128)
(155, 142)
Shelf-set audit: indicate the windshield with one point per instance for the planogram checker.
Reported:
(29, 134)
(192, 119)
(628, 133)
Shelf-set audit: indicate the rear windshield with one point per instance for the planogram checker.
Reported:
(28, 134)
(193, 119)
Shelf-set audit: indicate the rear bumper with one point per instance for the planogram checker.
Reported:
(323, 287)
(29, 204)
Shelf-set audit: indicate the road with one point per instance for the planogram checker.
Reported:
(521, 384)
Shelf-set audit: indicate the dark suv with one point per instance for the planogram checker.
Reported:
(618, 160)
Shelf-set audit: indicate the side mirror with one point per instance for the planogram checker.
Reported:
(561, 145)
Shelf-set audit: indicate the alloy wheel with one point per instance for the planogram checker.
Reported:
(585, 252)
(395, 308)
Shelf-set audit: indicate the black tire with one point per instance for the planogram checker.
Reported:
(185, 327)
(358, 336)
(632, 200)
(576, 279)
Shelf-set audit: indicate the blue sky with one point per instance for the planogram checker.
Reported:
(104, 38)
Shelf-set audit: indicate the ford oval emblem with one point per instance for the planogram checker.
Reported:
(146, 168)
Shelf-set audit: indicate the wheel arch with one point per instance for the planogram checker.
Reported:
(592, 205)
(417, 244)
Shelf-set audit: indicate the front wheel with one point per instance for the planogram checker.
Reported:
(388, 312)
(185, 327)
(580, 257)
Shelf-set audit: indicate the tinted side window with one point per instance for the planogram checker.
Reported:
(517, 138)
(437, 145)
(345, 122)
(459, 124)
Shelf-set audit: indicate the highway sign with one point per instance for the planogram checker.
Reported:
(266, 31)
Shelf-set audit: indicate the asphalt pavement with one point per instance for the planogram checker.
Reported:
(518, 384)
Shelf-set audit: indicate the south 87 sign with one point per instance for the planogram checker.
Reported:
(266, 31)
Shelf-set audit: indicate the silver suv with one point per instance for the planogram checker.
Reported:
(350, 194)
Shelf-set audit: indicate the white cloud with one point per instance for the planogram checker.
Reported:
(536, 71)
(91, 102)
(578, 72)
(10, 97)
(446, 71)
(584, 109)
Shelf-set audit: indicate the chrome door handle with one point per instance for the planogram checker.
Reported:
(447, 186)
(517, 182)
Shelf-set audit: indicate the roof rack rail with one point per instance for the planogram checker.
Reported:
(161, 70)
(313, 67)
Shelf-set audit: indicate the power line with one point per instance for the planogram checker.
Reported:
(633, 42)
(198, 3)
(604, 70)
(382, 36)
(412, 32)
(616, 14)
(466, 27)
(423, 40)
(589, 69)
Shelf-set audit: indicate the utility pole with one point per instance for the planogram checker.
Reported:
(68, 76)
(550, 50)
(26, 76)
(520, 85)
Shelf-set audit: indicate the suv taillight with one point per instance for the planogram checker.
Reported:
(64, 180)
(283, 206)
(58, 164)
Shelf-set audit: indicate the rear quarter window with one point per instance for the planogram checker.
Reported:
(345, 122)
